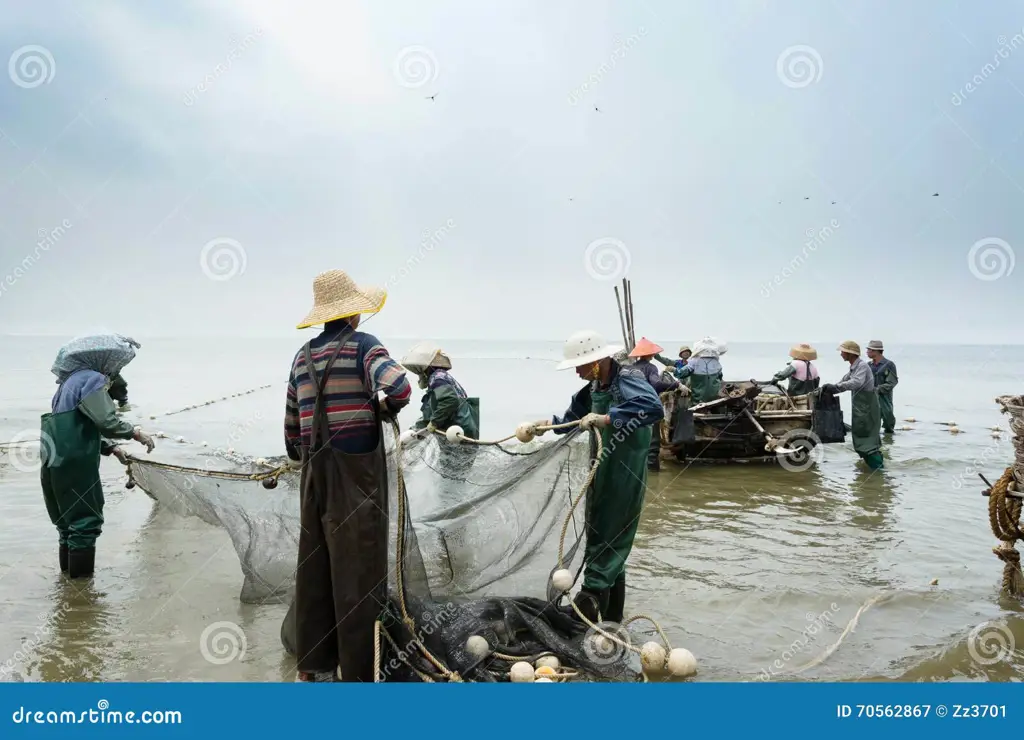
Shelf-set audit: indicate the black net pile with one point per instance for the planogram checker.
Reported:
(480, 541)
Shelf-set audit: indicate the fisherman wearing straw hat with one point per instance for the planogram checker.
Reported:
(802, 374)
(867, 442)
(684, 356)
(644, 350)
(620, 403)
(884, 371)
(333, 429)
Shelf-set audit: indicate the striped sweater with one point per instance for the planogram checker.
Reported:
(363, 368)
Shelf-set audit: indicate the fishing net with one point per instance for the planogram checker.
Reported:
(479, 528)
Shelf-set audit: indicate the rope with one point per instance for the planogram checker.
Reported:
(1004, 518)
(207, 403)
(376, 651)
(849, 628)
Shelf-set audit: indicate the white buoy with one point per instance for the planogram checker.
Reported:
(160, 435)
(954, 430)
(911, 420)
(906, 429)
(455, 433)
(681, 662)
(562, 580)
(261, 461)
(522, 672)
(203, 444)
(996, 435)
(652, 656)
(477, 646)
(524, 432)
(179, 438)
(548, 661)
(601, 644)
(231, 450)
(406, 436)
(543, 679)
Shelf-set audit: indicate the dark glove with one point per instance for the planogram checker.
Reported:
(830, 388)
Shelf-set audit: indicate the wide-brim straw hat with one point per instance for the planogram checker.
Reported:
(803, 352)
(876, 345)
(850, 346)
(336, 296)
(645, 348)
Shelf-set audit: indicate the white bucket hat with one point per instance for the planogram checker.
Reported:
(584, 348)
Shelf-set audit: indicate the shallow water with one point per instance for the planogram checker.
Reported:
(755, 569)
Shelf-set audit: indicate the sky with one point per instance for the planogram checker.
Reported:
(761, 171)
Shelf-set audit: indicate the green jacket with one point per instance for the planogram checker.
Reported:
(445, 403)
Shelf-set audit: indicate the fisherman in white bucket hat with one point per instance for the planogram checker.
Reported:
(620, 403)
(333, 428)
(865, 416)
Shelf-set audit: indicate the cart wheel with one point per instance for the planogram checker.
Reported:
(804, 446)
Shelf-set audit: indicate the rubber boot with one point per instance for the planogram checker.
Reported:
(592, 604)
(617, 601)
(62, 556)
(81, 563)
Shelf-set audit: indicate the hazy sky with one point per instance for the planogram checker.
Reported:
(300, 136)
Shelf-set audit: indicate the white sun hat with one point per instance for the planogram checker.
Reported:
(584, 348)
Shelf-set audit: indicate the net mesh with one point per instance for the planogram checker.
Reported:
(483, 525)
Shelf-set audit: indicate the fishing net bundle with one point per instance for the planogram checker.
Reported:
(476, 530)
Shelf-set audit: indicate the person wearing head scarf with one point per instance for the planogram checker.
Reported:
(644, 351)
(333, 432)
(445, 402)
(74, 435)
(802, 374)
(703, 372)
(620, 403)
(867, 442)
(886, 379)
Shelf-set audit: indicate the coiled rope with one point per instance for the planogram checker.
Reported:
(1004, 517)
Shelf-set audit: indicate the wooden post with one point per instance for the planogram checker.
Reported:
(622, 320)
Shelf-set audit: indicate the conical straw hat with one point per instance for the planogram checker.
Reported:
(336, 296)
(644, 348)
(803, 352)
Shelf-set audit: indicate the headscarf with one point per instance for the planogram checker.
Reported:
(104, 353)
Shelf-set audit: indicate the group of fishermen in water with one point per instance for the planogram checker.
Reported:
(333, 434)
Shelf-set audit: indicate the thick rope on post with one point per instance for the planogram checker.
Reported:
(1004, 518)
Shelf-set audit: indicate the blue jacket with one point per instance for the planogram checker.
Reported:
(634, 401)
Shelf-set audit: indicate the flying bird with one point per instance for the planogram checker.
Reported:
(431, 97)
(833, 202)
(806, 198)
(597, 109)
(935, 195)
